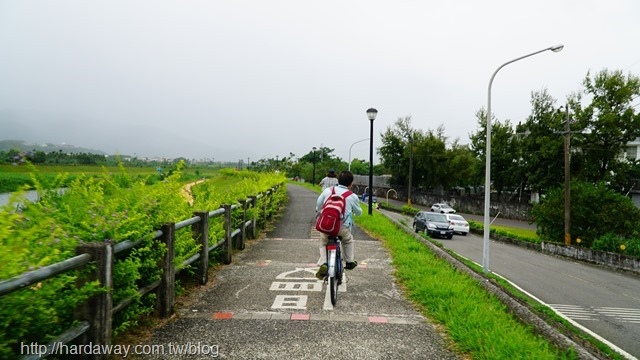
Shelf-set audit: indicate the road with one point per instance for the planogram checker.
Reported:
(268, 304)
(604, 301)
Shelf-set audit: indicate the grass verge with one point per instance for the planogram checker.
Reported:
(478, 323)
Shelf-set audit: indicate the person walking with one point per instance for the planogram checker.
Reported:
(329, 180)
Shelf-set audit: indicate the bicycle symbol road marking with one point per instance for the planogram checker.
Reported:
(308, 283)
(296, 286)
(290, 302)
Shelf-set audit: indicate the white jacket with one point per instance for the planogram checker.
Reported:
(352, 203)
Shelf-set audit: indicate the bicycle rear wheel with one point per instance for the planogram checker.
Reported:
(334, 260)
(333, 284)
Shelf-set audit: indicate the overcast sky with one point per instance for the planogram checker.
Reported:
(235, 80)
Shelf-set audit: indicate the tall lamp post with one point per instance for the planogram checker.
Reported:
(487, 178)
(410, 168)
(359, 141)
(314, 166)
(371, 114)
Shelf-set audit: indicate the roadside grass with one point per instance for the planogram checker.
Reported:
(478, 323)
(528, 235)
(541, 310)
(519, 233)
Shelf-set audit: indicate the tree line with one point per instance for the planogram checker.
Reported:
(526, 157)
(530, 155)
(39, 157)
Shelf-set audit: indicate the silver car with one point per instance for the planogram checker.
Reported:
(460, 224)
(442, 208)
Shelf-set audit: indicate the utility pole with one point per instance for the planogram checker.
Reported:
(567, 181)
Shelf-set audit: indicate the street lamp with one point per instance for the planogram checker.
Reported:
(487, 179)
(410, 168)
(359, 141)
(314, 166)
(371, 114)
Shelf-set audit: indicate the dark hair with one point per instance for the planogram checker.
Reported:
(332, 173)
(345, 178)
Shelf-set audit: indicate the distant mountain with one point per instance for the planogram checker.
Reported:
(21, 145)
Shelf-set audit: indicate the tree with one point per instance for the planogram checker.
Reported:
(541, 145)
(607, 123)
(592, 213)
(359, 167)
(430, 160)
(461, 165)
(394, 151)
(503, 162)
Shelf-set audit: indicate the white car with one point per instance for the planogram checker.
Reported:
(460, 225)
(442, 208)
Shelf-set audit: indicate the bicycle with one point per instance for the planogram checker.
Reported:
(335, 267)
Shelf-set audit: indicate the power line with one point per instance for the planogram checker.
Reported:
(635, 62)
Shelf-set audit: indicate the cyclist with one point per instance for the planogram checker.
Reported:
(329, 180)
(345, 180)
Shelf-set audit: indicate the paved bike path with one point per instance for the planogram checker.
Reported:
(268, 304)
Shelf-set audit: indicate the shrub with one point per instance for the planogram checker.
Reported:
(408, 210)
(595, 211)
(617, 244)
(96, 208)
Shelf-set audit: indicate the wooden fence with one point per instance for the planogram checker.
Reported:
(95, 316)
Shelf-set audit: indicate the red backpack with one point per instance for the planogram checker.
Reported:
(332, 212)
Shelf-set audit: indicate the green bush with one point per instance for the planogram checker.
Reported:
(96, 208)
(12, 182)
(617, 244)
(595, 211)
(408, 210)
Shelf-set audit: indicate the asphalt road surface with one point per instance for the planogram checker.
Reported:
(267, 304)
(602, 300)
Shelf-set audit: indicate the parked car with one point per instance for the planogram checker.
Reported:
(459, 223)
(443, 208)
(365, 198)
(434, 224)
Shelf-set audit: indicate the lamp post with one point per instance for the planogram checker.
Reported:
(371, 114)
(314, 166)
(487, 179)
(410, 167)
(359, 141)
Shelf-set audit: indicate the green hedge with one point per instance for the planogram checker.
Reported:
(95, 208)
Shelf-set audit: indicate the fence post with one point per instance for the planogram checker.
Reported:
(243, 228)
(166, 290)
(264, 208)
(227, 233)
(254, 202)
(97, 309)
(270, 203)
(200, 231)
